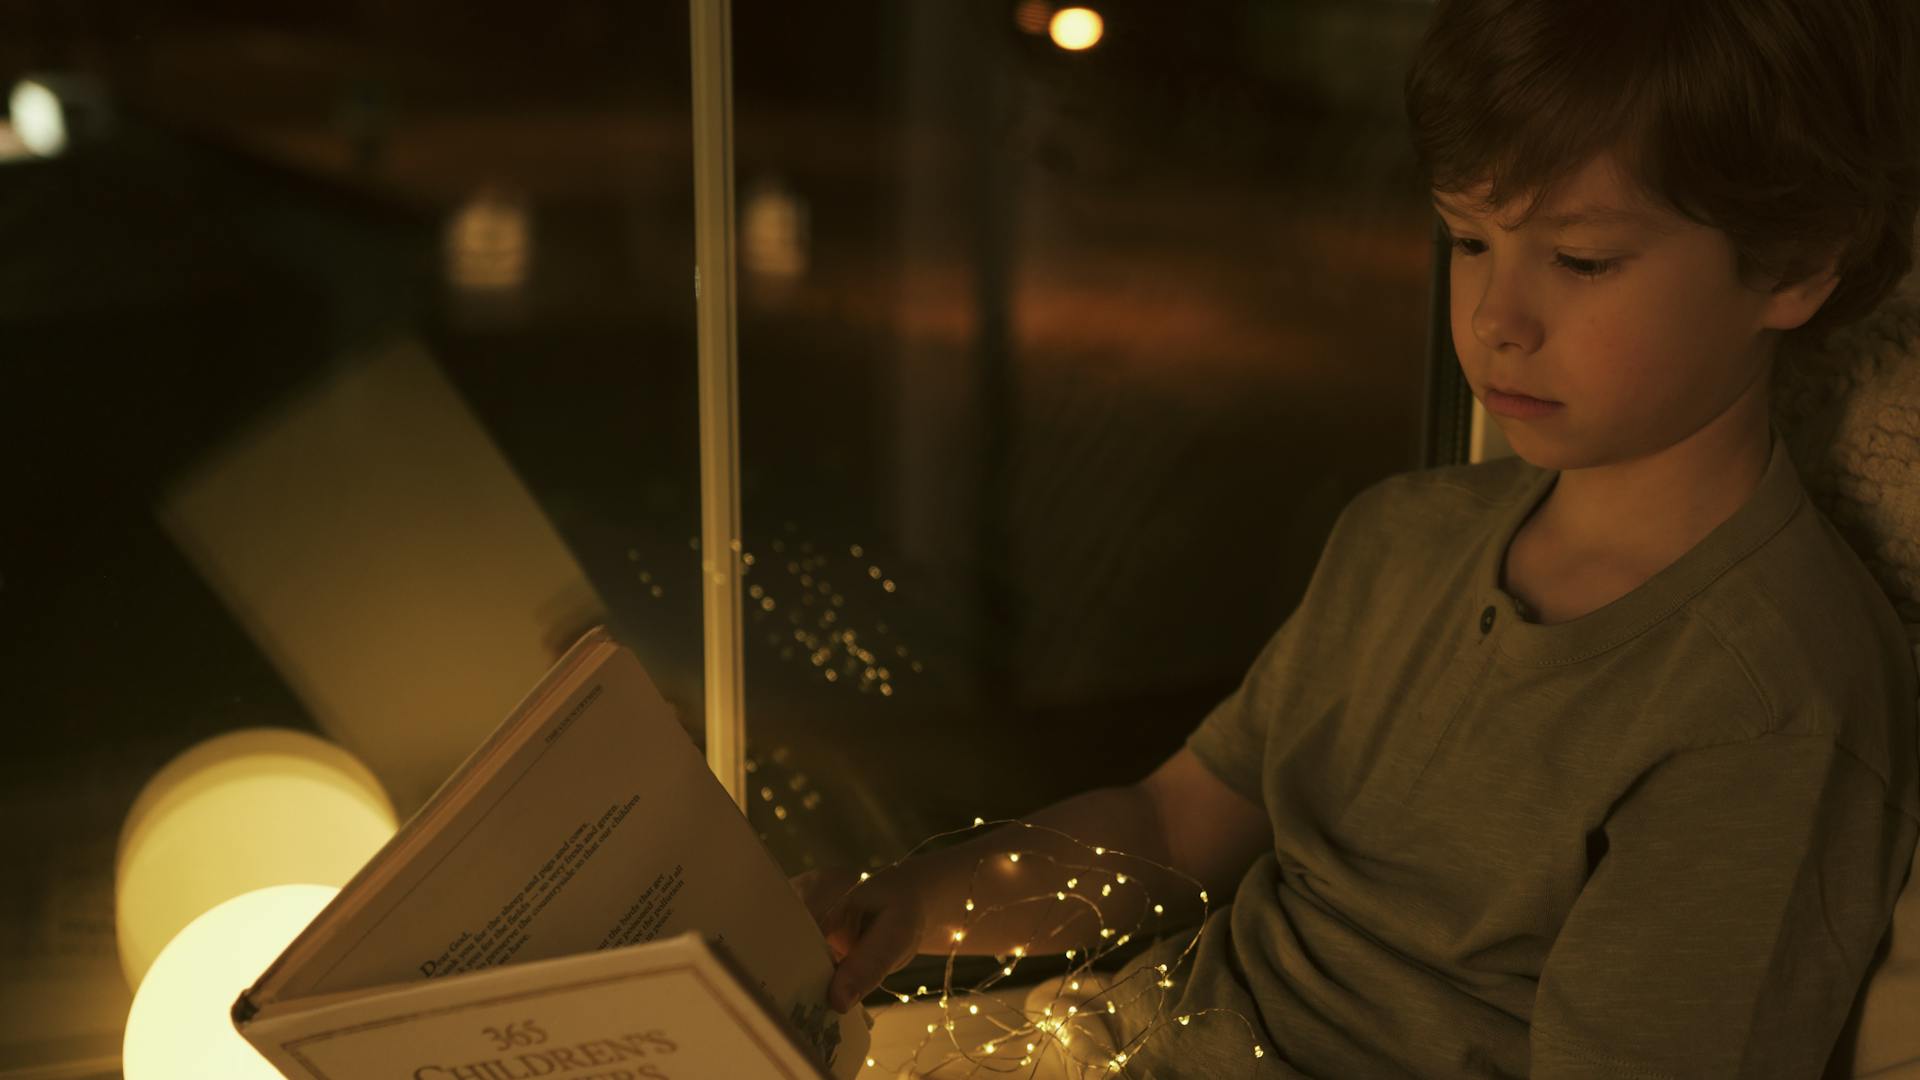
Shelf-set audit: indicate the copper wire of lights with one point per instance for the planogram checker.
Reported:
(1057, 1022)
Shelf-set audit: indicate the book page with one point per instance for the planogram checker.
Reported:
(600, 827)
(672, 1011)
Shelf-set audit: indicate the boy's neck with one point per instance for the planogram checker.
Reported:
(1642, 515)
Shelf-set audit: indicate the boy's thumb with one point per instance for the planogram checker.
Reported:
(886, 943)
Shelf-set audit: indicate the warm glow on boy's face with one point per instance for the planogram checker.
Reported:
(1638, 325)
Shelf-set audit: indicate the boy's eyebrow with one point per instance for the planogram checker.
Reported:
(1591, 214)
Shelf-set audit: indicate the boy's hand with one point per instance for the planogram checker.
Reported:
(872, 928)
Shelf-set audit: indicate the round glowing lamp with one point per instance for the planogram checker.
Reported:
(234, 814)
(180, 1026)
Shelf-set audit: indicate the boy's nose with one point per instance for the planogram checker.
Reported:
(1504, 319)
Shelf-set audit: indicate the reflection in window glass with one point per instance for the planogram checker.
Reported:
(349, 374)
(1064, 337)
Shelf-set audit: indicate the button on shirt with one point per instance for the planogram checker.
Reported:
(1659, 840)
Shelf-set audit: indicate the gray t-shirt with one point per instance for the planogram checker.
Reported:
(1659, 840)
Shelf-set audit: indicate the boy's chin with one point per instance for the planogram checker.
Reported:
(1542, 453)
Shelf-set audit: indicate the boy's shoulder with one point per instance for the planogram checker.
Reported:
(1814, 631)
(1445, 494)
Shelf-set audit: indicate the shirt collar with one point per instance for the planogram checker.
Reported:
(1773, 503)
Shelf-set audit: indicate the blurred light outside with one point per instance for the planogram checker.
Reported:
(1076, 28)
(39, 122)
(774, 231)
(490, 243)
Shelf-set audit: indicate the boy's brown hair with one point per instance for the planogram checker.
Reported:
(1793, 126)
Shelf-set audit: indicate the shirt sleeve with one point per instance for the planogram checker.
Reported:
(1231, 741)
(1725, 931)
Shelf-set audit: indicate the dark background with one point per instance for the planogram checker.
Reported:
(1087, 352)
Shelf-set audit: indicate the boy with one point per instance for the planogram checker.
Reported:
(1596, 761)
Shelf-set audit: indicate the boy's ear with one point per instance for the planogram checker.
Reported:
(1791, 304)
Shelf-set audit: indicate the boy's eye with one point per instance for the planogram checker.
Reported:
(1586, 268)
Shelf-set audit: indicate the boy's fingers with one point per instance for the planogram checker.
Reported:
(885, 945)
(842, 935)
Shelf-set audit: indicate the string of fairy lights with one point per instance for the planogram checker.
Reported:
(1060, 1021)
(799, 606)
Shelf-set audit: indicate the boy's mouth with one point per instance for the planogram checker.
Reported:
(1519, 394)
(1517, 406)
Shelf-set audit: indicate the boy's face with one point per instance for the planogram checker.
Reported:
(1638, 327)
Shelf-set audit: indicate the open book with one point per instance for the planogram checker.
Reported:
(581, 899)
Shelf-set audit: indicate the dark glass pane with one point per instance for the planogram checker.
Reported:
(1056, 367)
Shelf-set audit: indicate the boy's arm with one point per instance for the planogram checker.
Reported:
(1211, 831)
(1180, 816)
(1727, 928)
